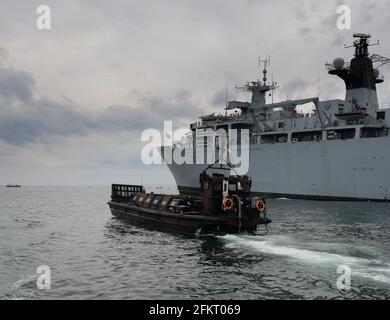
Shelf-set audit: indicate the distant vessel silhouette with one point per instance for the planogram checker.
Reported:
(13, 185)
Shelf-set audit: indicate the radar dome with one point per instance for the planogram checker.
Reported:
(376, 73)
(338, 63)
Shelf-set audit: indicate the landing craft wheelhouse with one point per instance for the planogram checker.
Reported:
(338, 151)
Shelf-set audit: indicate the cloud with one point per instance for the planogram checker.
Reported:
(303, 31)
(296, 88)
(16, 85)
(25, 118)
(105, 72)
(3, 53)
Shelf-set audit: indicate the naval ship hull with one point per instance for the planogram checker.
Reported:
(355, 169)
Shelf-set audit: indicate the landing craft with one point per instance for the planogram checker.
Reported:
(225, 205)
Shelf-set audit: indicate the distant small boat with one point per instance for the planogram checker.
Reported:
(13, 185)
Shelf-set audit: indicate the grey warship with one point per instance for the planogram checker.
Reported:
(340, 150)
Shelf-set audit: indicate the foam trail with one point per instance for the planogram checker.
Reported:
(19, 283)
(301, 254)
(360, 266)
(8, 291)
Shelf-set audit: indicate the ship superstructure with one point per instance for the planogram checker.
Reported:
(339, 150)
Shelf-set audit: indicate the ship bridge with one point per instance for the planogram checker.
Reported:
(360, 77)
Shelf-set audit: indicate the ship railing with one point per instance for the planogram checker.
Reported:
(385, 105)
(217, 119)
(123, 192)
(330, 66)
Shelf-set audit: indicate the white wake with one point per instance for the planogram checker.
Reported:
(363, 267)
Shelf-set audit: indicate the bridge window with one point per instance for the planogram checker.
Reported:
(306, 136)
(273, 138)
(341, 134)
(232, 187)
(373, 132)
(217, 187)
(380, 115)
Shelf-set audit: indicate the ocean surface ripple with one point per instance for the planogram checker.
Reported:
(93, 255)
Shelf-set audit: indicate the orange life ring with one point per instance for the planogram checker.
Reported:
(228, 203)
(260, 205)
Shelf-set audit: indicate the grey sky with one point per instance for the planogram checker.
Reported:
(74, 100)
